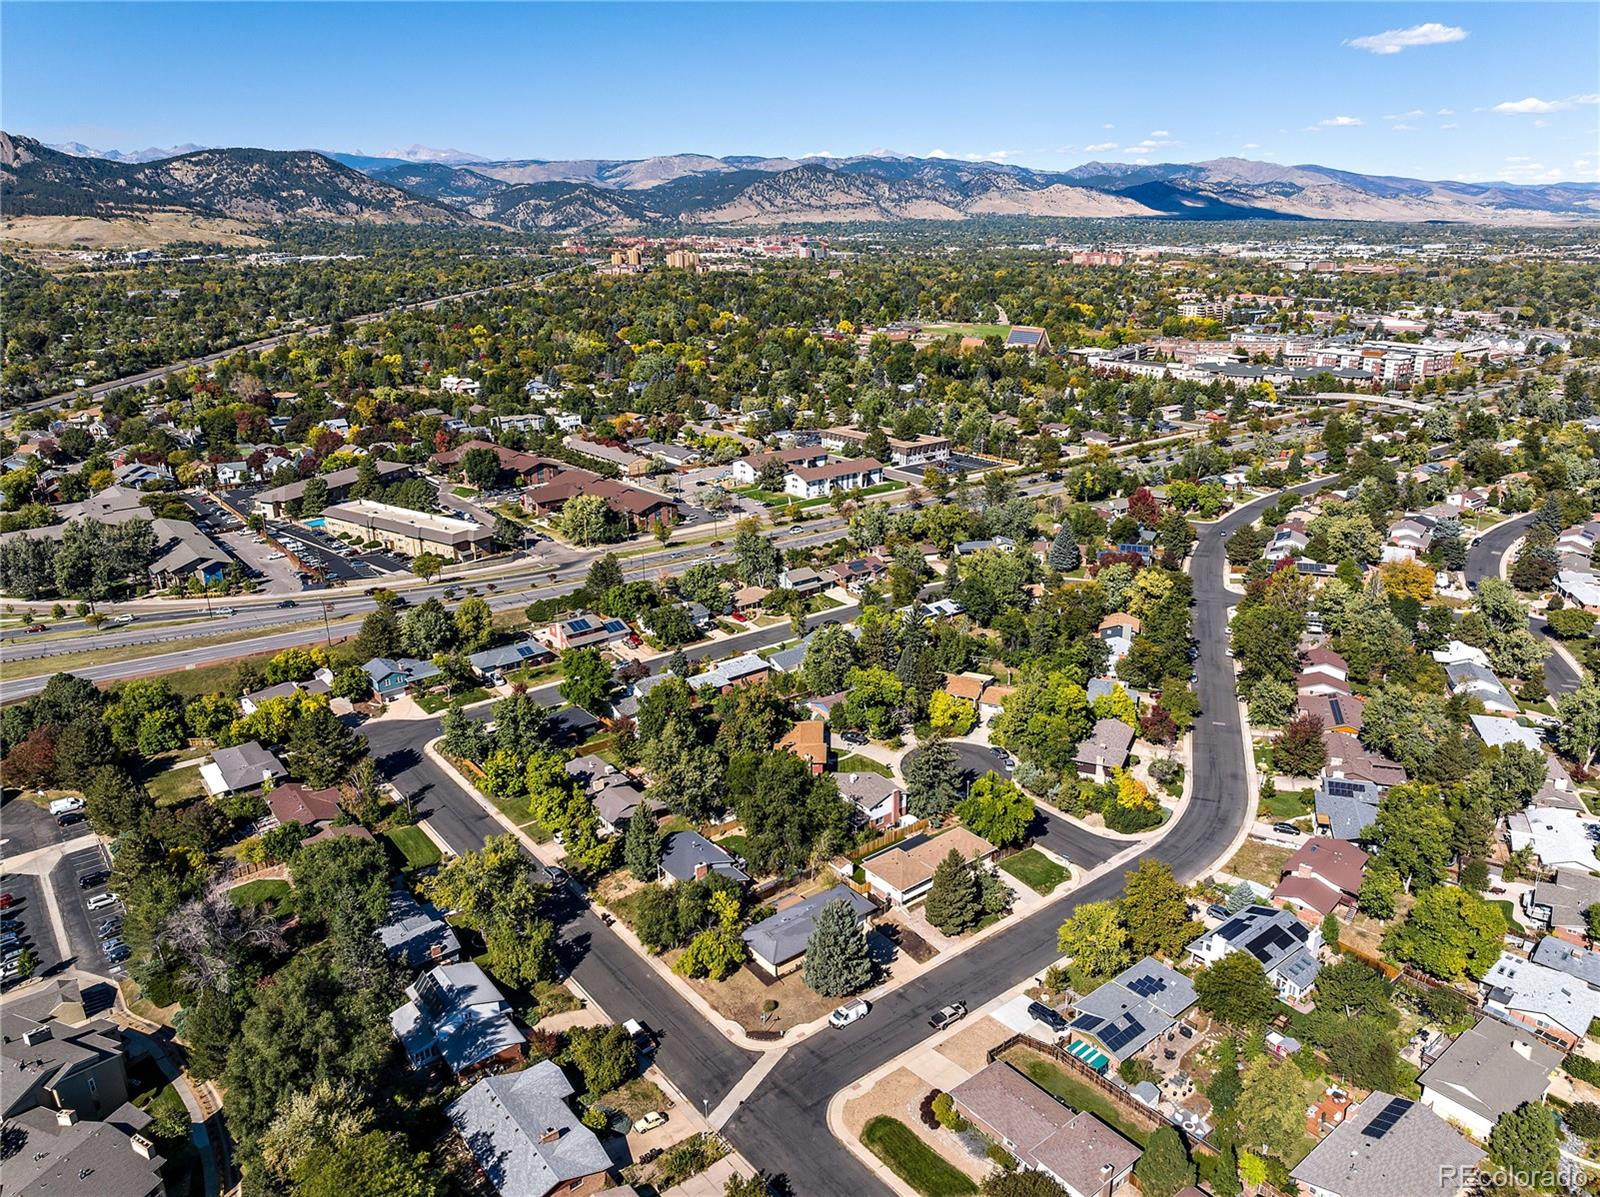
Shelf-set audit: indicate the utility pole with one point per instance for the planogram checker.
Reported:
(327, 635)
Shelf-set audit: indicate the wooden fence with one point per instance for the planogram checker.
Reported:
(888, 839)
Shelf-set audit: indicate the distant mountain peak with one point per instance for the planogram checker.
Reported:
(428, 153)
(152, 154)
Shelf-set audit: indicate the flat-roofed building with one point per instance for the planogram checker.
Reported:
(410, 533)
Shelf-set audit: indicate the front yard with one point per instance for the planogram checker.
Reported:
(1258, 862)
(913, 1161)
(413, 847)
(1035, 870)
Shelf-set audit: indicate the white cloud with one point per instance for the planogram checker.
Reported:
(992, 156)
(1392, 41)
(940, 154)
(1160, 133)
(1340, 122)
(1108, 126)
(1404, 128)
(1405, 116)
(1533, 106)
(1100, 147)
(1251, 145)
(1450, 125)
(818, 154)
(1446, 112)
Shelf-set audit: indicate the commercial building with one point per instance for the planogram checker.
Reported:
(409, 533)
(276, 502)
(805, 482)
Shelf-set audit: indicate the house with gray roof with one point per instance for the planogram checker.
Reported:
(60, 1067)
(1345, 806)
(393, 677)
(1573, 959)
(1105, 748)
(55, 1154)
(493, 664)
(1489, 1070)
(778, 944)
(1285, 946)
(1468, 677)
(458, 1016)
(242, 767)
(521, 1129)
(1497, 732)
(415, 934)
(1387, 1146)
(876, 800)
(1560, 905)
(1133, 1009)
(1556, 1005)
(689, 856)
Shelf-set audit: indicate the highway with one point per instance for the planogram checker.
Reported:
(1483, 561)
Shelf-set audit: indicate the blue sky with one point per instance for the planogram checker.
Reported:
(1471, 91)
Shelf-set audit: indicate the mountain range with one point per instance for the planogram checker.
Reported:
(421, 184)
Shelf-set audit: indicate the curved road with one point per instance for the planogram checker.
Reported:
(1483, 561)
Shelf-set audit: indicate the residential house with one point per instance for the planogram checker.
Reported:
(1467, 677)
(1284, 944)
(494, 665)
(243, 767)
(802, 580)
(1337, 712)
(1456, 653)
(1075, 1149)
(320, 682)
(616, 796)
(742, 670)
(1580, 539)
(1029, 338)
(746, 598)
(1497, 731)
(1558, 837)
(1389, 1146)
(1488, 1071)
(1579, 589)
(1560, 906)
(1556, 1005)
(689, 856)
(1286, 542)
(297, 803)
(526, 1138)
(808, 740)
(1345, 806)
(877, 801)
(584, 630)
(1576, 960)
(1105, 748)
(853, 575)
(1134, 1009)
(415, 934)
(394, 677)
(904, 873)
(1349, 759)
(778, 944)
(1322, 875)
(458, 1016)
(276, 502)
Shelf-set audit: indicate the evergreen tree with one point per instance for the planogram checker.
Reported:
(837, 959)
(1064, 555)
(641, 845)
(931, 781)
(1525, 1142)
(1165, 1167)
(953, 903)
(1225, 1174)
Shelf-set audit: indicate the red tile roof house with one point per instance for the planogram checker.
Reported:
(1077, 1150)
(1319, 878)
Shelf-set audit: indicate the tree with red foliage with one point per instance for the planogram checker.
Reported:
(1157, 726)
(32, 763)
(1299, 751)
(1144, 507)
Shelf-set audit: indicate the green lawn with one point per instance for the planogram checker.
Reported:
(255, 893)
(1509, 909)
(414, 847)
(962, 329)
(852, 762)
(434, 703)
(734, 845)
(1077, 1094)
(1035, 870)
(1288, 804)
(173, 787)
(464, 492)
(913, 1161)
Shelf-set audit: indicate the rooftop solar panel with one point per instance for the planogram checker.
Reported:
(1147, 986)
(1118, 1036)
(1386, 1118)
(1231, 928)
(1087, 1022)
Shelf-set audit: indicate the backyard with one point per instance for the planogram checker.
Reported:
(174, 787)
(266, 891)
(1258, 862)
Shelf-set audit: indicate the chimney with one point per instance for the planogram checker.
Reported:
(701, 870)
(551, 1134)
(142, 1147)
(35, 1035)
(66, 1118)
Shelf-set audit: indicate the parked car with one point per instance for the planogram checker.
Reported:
(643, 1037)
(853, 737)
(1286, 829)
(1217, 910)
(848, 1013)
(92, 880)
(1039, 1012)
(70, 818)
(66, 806)
(649, 1122)
(120, 619)
(7, 900)
(947, 1015)
(103, 901)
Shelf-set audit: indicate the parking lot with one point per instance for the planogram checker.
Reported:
(26, 827)
(318, 551)
(25, 926)
(83, 925)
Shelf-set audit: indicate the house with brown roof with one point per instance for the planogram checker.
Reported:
(969, 686)
(1324, 874)
(1119, 625)
(904, 873)
(527, 466)
(1338, 712)
(1105, 748)
(638, 508)
(298, 803)
(808, 740)
(1075, 1149)
(1348, 757)
(853, 575)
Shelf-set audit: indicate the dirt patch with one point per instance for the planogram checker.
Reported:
(908, 941)
(969, 1049)
(899, 1095)
(742, 996)
(1262, 863)
(137, 232)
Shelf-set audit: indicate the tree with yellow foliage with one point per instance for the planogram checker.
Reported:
(1406, 579)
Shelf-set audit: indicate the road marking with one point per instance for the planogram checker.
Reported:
(745, 1086)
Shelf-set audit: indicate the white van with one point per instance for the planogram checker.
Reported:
(66, 806)
(848, 1013)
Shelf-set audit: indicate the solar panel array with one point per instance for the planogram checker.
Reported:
(1343, 787)
(1387, 1117)
(1147, 986)
(1121, 1033)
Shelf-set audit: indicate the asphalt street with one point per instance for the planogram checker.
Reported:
(1483, 561)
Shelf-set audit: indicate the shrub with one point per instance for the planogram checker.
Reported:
(925, 1109)
(944, 1110)
(1583, 1120)
(1000, 1156)
(1582, 1067)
